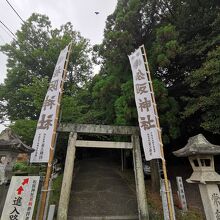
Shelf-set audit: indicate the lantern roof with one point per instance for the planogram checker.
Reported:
(198, 145)
(9, 141)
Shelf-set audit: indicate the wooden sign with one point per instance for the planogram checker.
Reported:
(21, 198)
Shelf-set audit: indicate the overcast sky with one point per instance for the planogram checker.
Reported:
(79, 12)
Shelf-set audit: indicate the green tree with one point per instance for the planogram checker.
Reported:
(189, 39)
(164, 52)
(198, 38)
(31, 61)
(204, 102)
(25, 129)
(133, 23)
(168, 109)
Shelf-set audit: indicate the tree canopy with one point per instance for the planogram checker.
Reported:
(182, 51)
(31, 60)
(182, 42)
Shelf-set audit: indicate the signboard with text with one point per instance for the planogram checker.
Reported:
(45, 127)
(181, 193)
(21, 198)
(145, 107)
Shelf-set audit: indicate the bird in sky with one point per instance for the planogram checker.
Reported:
(96, 12)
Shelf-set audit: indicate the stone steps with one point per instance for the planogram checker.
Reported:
(103, 217)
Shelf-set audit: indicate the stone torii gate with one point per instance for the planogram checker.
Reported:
(134, 145)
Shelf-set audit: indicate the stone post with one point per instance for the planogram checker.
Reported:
(139, 179)
(67, 178)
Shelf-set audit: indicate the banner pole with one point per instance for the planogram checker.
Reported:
(159, 134)
(49, 166)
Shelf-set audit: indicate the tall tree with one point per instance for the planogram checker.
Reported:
(31, 60)
(180, 52)
(204, 102)
(133, 23)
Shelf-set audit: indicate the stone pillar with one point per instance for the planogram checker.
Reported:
(211, 200)
(139, 179)
(67, 178)
(7, 161)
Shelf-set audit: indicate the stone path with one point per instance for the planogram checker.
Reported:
(100, 191)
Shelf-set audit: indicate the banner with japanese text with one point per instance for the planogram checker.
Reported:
(45, 126)
(145, 107)
(21, 198)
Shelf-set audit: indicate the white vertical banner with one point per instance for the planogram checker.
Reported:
(45, 126)
(21, 198)
(145, 107)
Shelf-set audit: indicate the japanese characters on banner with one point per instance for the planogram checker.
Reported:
(21, 198)
(145, 108)
(45, 127)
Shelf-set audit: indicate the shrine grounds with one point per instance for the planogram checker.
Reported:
(90, 180)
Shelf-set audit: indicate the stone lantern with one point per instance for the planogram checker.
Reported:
(10, 147)
(201, 157)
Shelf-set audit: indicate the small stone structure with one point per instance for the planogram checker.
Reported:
(201, 156)
(10, 147)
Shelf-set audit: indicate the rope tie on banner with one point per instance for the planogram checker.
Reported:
(156, 116)
(165, 191)
(163, 159)
(159, 129)
(46, 190)
(161, 144)
(49, 164)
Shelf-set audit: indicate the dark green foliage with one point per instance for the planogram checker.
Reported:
(192, 75)
(204, 102)
(125, 108)
(25, 129)
(178, 35)
(133, 23)
(56, 186)
(20, 166)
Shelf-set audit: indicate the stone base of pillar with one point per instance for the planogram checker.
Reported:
(211, 200)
